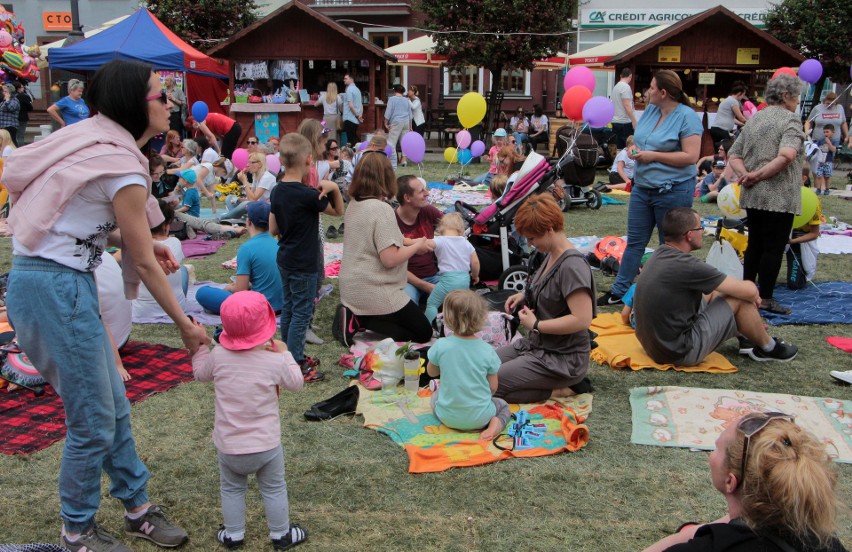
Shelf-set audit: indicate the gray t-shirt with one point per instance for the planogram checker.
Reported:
(725, 114)
(667, 300)
(834, 115)
(621, 92)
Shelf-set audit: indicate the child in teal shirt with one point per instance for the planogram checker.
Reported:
(468, 368)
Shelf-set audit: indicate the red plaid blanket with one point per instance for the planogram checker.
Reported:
(29, 424)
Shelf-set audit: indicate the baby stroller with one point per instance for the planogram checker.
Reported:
(578, 154)
(500, 255)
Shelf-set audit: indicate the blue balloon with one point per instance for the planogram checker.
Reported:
(465, 156)
(200, 111)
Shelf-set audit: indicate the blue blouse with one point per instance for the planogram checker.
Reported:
(73, 111)
(679, 124)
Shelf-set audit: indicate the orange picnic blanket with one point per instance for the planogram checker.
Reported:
(408, 420)
(619, 348)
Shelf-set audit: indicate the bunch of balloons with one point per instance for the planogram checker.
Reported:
(471, 110)
(16, 60)
(578, 102)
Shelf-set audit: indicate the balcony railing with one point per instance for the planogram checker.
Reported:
(358, 3)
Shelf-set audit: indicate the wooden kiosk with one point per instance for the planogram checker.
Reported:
(300, 48)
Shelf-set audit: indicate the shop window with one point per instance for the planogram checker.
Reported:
(591, 38)
(385, 40)
(459, 81)
(515, 82)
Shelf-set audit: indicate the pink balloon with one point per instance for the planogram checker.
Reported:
(5, 39)
(240, 158)
(463, 139)
(477, 148)
(273, 164)
(580, 76)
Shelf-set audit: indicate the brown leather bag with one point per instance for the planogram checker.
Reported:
(707, 145)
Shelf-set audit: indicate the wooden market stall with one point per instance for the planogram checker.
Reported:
(298, 47)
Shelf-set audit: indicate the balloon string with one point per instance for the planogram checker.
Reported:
(420, 170)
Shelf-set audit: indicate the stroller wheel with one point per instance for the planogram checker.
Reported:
(515, 278)
(593, 199)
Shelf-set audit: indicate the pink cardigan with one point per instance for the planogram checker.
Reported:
(44, 176)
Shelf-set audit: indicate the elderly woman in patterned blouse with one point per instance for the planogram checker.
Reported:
(769, 155)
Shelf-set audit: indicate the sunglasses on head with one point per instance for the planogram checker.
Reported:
(752, 424)
(162, 96)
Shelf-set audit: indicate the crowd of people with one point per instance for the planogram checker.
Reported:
(403, 262)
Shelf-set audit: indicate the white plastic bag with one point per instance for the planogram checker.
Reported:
(390, 367)
(724, 259)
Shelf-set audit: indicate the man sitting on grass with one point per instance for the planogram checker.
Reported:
(685, 308)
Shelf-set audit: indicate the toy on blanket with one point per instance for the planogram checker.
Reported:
(18, 371)
(521, 430)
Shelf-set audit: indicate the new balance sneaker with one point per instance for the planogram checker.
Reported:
(94, 539)
(295, 535)
(345, 326)
(156, 527)
(608, 299)
(782, 352)
(225, 539)
(745, 344)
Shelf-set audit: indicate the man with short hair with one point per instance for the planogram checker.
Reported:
(353, 110)
(624, 120)
(685, 308)
(397, 120)
(416, 218)
(26, 101)
(178, 99)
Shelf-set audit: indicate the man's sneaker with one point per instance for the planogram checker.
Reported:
(225, 539)
(782, 352)
(845, 377)
(94, 539)
(156, 527)
(746, 345)
(295, 535)
(345, 326)
(608, 299)
(313, 338)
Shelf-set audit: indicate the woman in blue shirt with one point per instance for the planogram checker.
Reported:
(667, 144)
(72, 108)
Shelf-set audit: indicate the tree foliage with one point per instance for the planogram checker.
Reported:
(204, 23)
(820, 29)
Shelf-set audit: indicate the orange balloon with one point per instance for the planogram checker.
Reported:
(574, 100)
(784, 71)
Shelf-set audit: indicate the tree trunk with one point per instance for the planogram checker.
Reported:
(807, 105)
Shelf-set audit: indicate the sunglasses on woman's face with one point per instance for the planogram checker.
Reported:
(162, 96)
(252, 142)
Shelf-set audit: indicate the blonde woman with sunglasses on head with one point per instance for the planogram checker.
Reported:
(780, 486)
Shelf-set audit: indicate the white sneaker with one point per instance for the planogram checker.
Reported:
(845, 377)
(312, 338)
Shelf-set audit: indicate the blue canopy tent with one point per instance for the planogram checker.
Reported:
(143, 37)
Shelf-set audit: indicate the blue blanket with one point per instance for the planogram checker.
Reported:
(820, 303)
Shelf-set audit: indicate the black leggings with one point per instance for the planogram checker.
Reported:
(768, 233)
(407, 324)
(351, 130)
(230, 140)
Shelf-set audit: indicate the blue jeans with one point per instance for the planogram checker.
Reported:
(235, 210)
(415, 294)
(484, 178)
(646, 210)
(61, 330)
(300, 290)
(449, 281)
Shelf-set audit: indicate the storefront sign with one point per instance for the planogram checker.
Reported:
(706, 78)
(748, 56)
(56, 21)
(647, 17)
(668, 54)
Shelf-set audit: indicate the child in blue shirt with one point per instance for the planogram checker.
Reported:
(191, 202)
(468, 368)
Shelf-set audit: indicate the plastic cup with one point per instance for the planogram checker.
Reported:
(411, 370)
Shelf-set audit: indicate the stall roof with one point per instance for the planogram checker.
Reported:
(689, 22)
(597, 56)
(225, 48)
(420, 52)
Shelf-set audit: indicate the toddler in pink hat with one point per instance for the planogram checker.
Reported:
(247, 368)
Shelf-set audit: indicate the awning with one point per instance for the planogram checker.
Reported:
(598, 55)
(45, 48)
(420, 52)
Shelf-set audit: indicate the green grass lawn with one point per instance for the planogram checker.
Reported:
(349, 485)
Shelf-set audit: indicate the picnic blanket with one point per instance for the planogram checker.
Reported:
(606, 200)
(192, 308)
(449, 197)
(408, 420)
(332, 255)
(836, 244)
(820, 303)
(200, 248)
(619, 348)
(29, 424)
(693, 417)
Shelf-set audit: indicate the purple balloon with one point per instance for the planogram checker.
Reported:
(414, 147)
(477, 148)
(598, 112)
(580, 76)
(389, 151)
(462, 139)
(363, 145)
(810, 70)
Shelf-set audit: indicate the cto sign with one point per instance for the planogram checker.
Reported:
(655, 16)
(56, 21)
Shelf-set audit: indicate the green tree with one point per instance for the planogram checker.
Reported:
(820, 29)
(204, 23)
(498, 34)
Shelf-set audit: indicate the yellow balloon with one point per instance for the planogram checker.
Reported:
(451, 155)
(471, 109)
(728, 200)
(809, 208)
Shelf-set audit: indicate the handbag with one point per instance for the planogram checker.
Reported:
(340, 117)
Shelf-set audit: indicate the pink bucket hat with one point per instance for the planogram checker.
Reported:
(247, 321)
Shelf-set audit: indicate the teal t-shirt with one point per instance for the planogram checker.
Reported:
(464, 398)
(666, 137)
(193, 201)
(257, 258)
